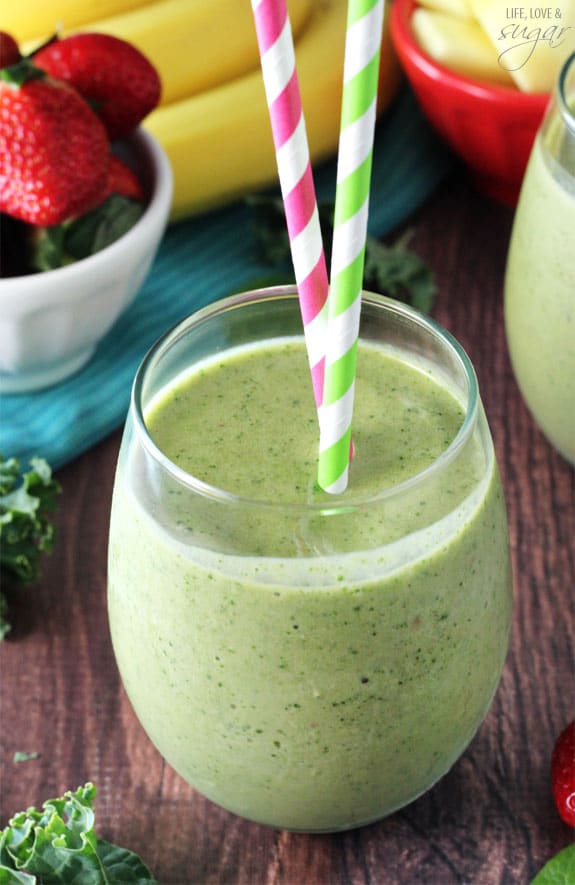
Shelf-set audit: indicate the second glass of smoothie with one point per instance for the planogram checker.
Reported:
(307, 661)
(540, 275)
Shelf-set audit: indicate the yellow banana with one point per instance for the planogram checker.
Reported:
(37, 19)
(196, 44)
(219, 142)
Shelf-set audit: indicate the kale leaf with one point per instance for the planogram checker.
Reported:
(392, 270)
(26, 500)
(58, 846)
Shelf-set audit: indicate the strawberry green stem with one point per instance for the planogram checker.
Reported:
(20, 73)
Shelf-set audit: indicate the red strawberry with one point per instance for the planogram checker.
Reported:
(115, 77)
(54, 151)
(9, 52)
(123, 180)
(563, 774)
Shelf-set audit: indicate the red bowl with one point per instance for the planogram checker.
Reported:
(491, 127)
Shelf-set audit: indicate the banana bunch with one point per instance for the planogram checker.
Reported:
(213, 120)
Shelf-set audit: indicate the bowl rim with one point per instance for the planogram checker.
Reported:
(31, 285)
(409, 49)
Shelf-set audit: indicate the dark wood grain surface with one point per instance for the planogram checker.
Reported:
(490, 821)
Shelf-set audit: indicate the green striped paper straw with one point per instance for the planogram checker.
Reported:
(355, 151)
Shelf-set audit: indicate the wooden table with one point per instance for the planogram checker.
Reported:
(490, 821)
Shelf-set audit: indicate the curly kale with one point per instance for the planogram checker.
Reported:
(27, 498)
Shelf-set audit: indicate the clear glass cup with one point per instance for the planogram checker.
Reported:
(312, 666)
(540, 273)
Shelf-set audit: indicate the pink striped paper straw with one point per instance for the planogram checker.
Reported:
(281, 84)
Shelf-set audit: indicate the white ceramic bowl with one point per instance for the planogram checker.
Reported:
(51, 322)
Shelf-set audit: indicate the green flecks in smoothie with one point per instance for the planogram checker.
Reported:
(267, 437)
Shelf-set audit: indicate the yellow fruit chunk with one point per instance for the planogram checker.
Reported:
(459, 44)
(196, 44)
(451, 7)
(532, 41)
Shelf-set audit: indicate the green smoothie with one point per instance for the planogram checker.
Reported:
(306, 670)
(540, 296)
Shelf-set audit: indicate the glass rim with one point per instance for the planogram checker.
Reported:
(336, 503)
(566, 111)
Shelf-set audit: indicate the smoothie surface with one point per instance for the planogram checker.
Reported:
(261, 442)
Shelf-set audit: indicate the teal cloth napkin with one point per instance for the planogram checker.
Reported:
(200, 260)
